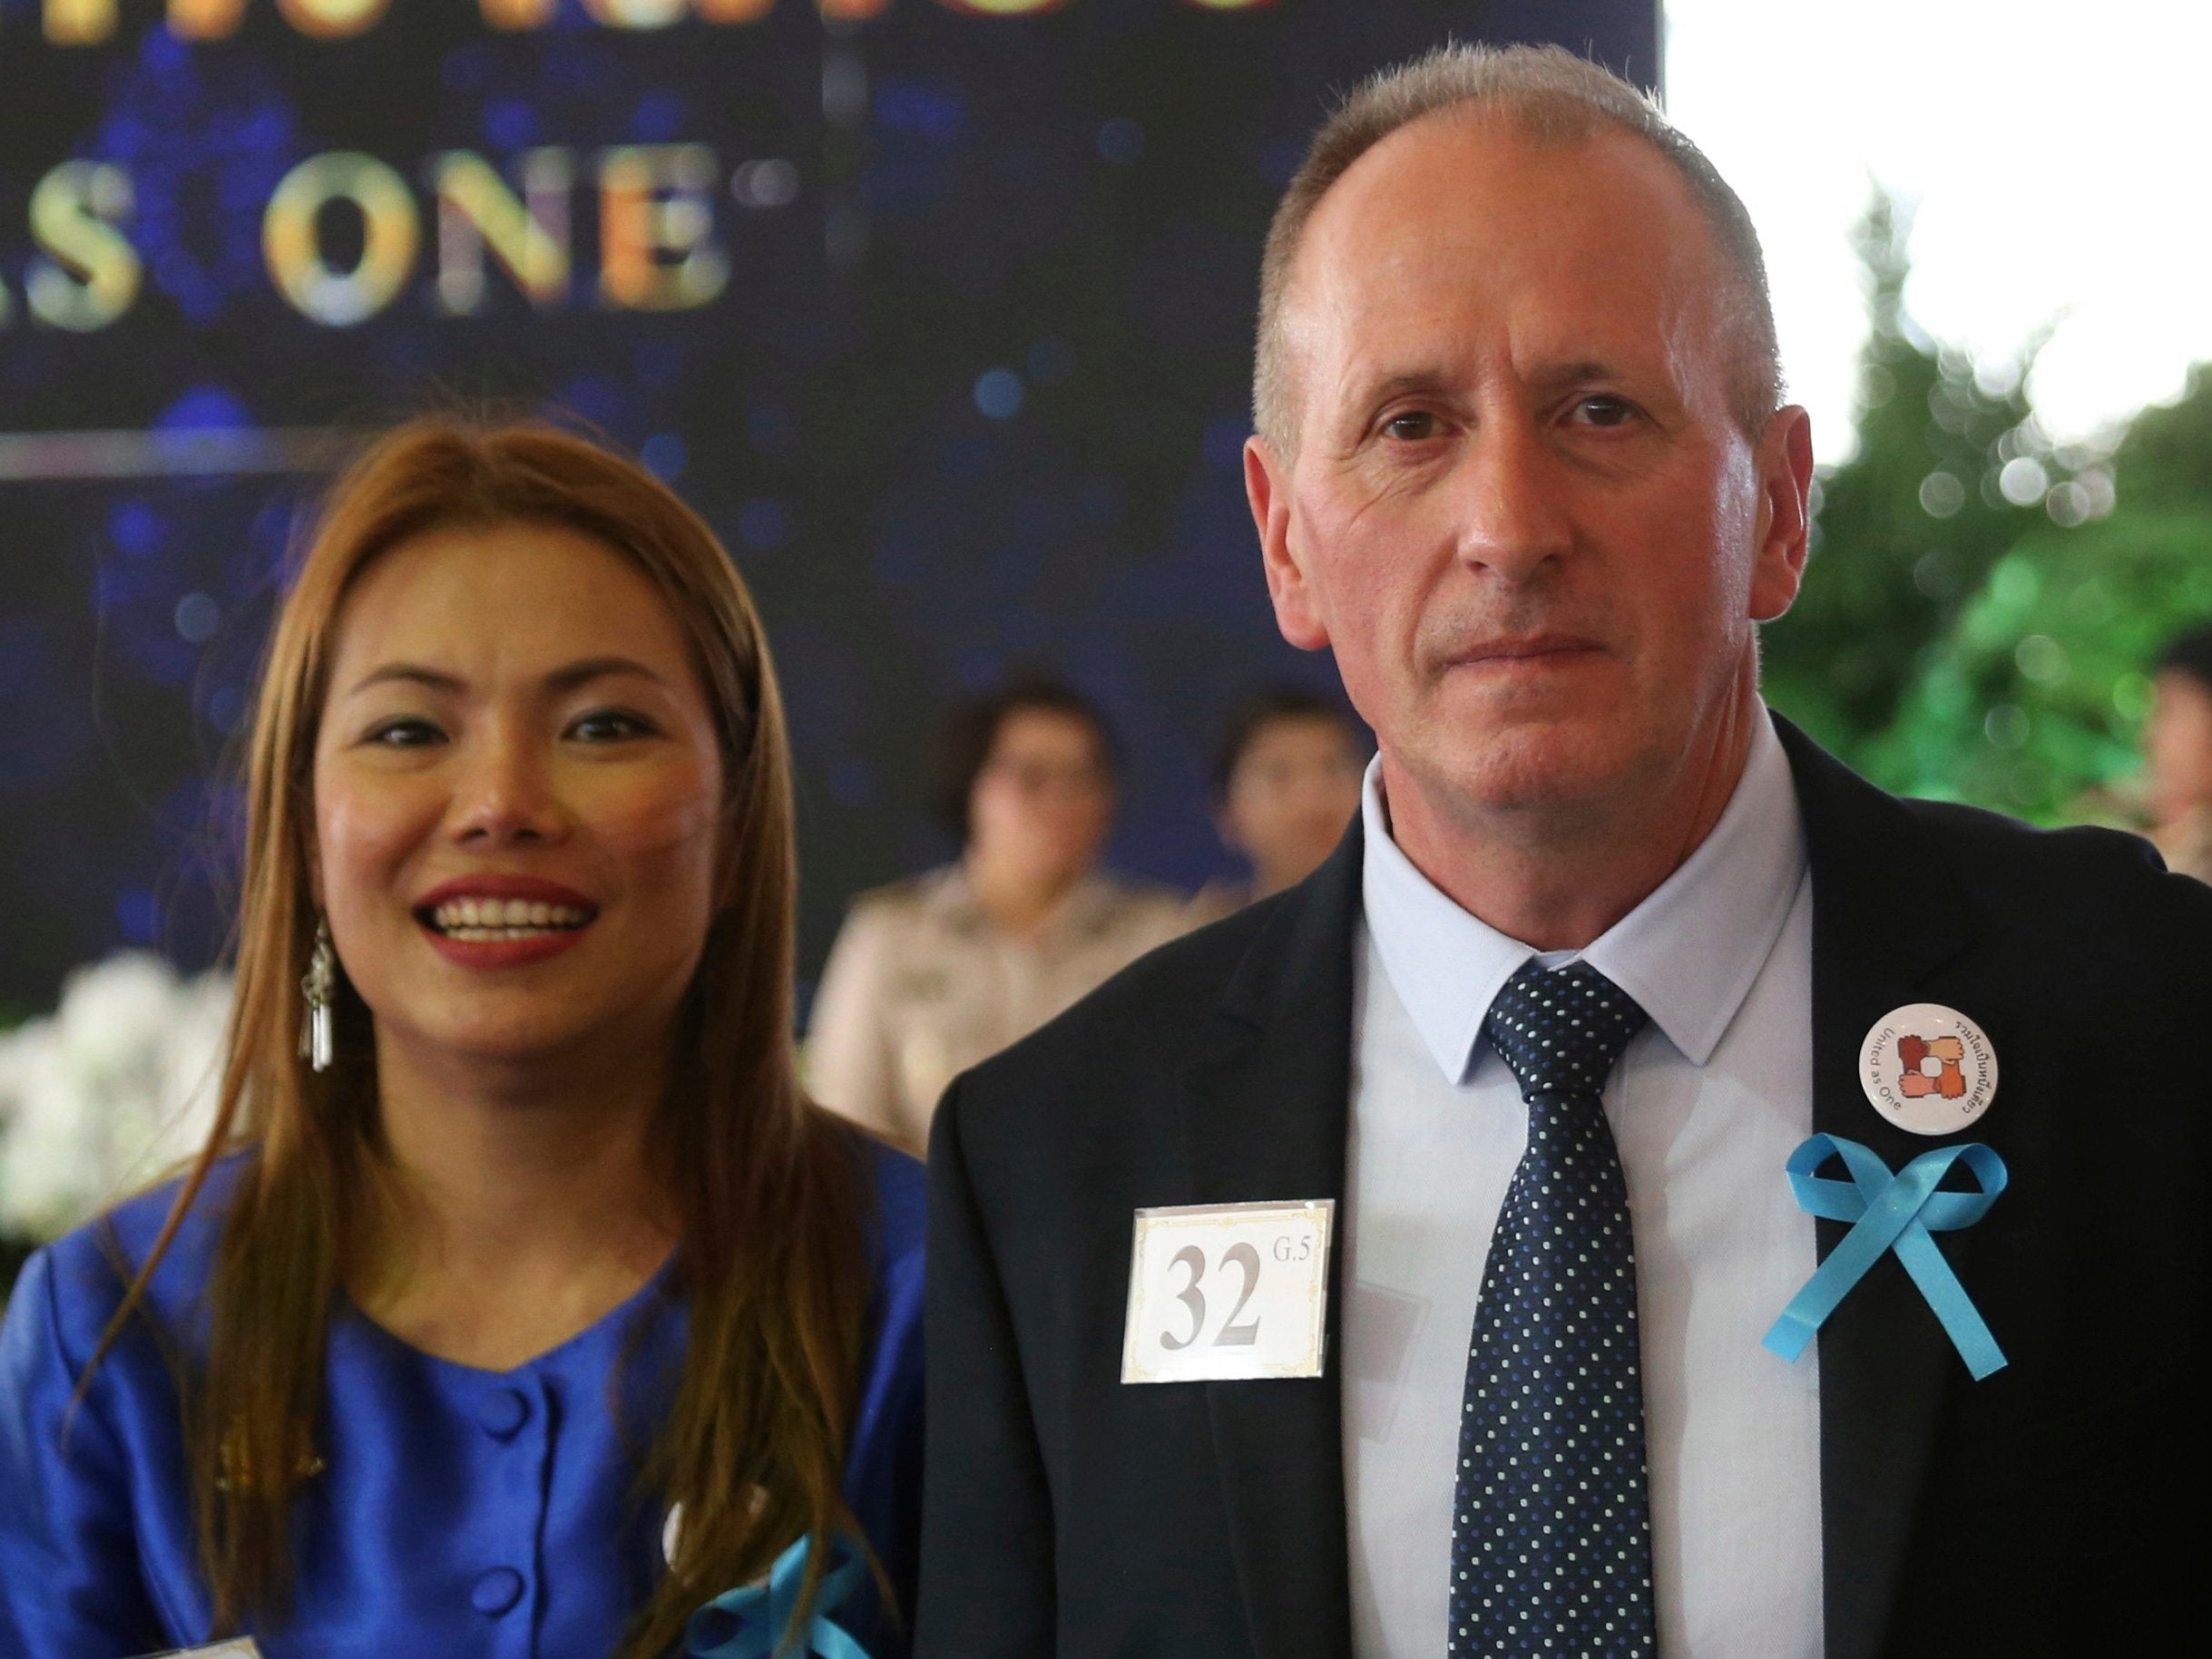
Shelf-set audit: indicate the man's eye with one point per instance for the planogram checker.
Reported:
(607, 725)
(1411, 428)
(409, 733)
(1603, 412)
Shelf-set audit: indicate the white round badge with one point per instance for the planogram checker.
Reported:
(1928, 1068)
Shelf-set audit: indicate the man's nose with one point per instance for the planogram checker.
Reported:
(506, 796)
(1514, 516)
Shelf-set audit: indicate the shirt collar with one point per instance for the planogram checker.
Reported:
(1725, 903)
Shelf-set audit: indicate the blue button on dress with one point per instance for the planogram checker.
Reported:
(459, 1510)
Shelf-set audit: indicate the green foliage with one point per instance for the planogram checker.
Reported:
(2032, 704)
(2167, 454)
(1954, 643)
(1908, 529)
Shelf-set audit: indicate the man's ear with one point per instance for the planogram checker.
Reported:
(1267, 487)
(1784, 463)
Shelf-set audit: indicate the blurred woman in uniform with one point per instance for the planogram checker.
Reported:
(931, 975)
(520, 1301)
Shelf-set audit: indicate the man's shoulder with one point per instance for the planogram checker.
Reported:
(1142, 1026)
(2068, 900)
(1088, 1114)
(2082, 923)
(2080, 875)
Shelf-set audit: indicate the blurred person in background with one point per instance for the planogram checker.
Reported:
(519, 1300)
(1286, 784)
(2178, 754)
(930, 975)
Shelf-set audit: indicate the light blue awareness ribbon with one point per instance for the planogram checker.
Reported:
(760, 1621)
(1891, 1213)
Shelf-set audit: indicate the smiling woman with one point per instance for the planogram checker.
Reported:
(533, 1293)
(545, 794)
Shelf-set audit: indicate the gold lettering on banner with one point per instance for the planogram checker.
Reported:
(291, 238)
(89, 23)
(1001, 8)
(528, 234)
(92, 274)
(656, 228)
(79, 23)
(627, 14)
(660, 14)
(333, 19)
(519, 14)
(205, 19)
(638, 13)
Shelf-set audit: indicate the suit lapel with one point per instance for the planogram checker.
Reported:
(1266, 1116)
(1264, 1119)
(1884, 918)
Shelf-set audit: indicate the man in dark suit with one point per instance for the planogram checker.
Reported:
(1605, 946)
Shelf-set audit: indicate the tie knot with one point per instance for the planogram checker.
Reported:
(1561, 1029)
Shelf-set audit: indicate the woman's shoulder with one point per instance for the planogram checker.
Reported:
(90, 1267)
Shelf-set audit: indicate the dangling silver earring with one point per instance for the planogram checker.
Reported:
(319, 986)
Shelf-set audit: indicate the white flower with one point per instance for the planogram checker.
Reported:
(119, 1084)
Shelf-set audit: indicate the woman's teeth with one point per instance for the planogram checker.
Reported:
(477, 919)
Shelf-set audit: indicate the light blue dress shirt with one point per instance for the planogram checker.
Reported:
(1706, 1105)
(460, 1511)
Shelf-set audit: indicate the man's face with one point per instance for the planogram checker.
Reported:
(1520, 509)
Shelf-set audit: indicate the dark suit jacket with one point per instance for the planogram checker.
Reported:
(2059, 1507)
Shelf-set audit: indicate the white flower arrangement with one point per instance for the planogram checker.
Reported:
(102, 1096)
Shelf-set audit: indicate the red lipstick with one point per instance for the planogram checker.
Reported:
(493, 920)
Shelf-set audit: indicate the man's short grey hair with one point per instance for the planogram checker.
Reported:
(1555, 98)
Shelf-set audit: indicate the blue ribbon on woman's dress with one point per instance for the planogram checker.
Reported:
(1896, 1212)
(760, 1621)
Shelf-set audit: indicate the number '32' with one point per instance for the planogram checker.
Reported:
(1231, 1334)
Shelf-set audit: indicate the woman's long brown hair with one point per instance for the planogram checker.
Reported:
(771, 1257)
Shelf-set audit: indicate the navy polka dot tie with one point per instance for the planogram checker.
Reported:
(1552, 1523)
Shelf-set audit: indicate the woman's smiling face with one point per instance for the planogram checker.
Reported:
(518, 797)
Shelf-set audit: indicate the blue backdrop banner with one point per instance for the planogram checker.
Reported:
(940, 311)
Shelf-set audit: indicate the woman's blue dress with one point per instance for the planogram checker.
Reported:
(459, 1511)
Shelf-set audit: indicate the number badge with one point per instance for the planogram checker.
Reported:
(1226, 1291)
